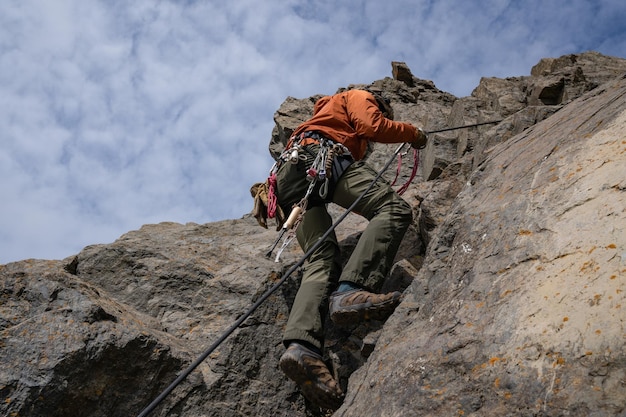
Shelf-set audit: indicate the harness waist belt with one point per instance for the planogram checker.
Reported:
(311, 137)
(314, 135)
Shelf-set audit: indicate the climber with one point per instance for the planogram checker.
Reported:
(343, 125)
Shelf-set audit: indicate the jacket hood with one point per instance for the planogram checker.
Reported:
(320, 103)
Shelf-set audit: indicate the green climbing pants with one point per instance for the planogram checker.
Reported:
(389, 217)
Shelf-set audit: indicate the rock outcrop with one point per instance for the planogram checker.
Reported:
(513, 276)
(524, 310)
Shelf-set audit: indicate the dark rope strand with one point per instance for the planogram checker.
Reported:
(462, 127)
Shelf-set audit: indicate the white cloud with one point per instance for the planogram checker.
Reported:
(114, 114)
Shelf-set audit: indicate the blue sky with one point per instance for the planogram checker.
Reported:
(115, 114)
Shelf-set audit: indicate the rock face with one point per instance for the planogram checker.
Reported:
(513, 274)
(524, 313)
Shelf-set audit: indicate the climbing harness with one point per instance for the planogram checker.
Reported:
(322, 169)
(277, 285)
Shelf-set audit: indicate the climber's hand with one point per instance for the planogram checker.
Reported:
(420, 139)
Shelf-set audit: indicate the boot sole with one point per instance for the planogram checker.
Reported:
(311, 388)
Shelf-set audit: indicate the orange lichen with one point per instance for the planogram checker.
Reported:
(494, 360)
(479, 367)
(589, 266)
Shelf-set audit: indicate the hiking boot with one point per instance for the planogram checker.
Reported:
(307, 369)
(357, 305)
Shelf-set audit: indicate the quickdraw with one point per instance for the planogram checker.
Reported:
(320, 170)
(291, 225)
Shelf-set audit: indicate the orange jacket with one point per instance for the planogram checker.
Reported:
(353, 118)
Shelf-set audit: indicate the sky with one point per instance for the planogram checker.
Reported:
(115, 114)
